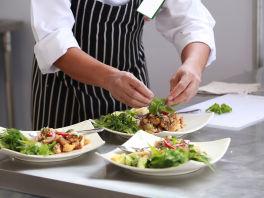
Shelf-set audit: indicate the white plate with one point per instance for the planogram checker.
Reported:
(96, 142)
(193, 123)
(214, 149)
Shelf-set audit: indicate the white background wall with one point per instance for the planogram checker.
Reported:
(233, 34)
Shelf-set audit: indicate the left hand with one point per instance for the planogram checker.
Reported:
(184, 84)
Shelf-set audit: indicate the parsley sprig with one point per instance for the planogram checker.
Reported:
(216, 108)
(160, 104)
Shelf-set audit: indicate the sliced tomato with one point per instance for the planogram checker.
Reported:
(164, 113)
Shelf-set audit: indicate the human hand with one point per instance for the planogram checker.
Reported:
(126, 88)
(184, 84)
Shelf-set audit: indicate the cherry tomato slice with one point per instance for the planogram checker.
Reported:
(164, 113)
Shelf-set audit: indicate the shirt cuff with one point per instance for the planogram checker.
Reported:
(52, 47)
(199, 34)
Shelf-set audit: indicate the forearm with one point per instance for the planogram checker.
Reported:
(84, 68)
(196, 55)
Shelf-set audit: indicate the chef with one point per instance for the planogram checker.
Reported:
(89, 58)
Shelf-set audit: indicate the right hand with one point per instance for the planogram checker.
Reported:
(126, 88)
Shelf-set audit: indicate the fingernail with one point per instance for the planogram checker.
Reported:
(170, 98)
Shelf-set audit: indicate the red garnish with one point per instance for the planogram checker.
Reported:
(164, 113)
(47, 134)
(63, 134)
(167, 144)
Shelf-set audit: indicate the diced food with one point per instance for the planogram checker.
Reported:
(63, 141)
(158, 123)
(57, 148)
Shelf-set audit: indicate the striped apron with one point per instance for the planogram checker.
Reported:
(112, 35)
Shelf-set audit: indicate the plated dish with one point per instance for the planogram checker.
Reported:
(95, 139)
(214, 149)
(193, 123)
(158, 119)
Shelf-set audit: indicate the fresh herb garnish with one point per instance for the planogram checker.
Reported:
(216, 108)
(14, 140)
(122, 123)
(166, 158)
(160, 104)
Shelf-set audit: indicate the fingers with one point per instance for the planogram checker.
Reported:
(141, 88)
(178, 89)
(130, 91)
(131, 102)
(186, 95)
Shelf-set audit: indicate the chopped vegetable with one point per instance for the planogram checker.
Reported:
(216, 108)
(48, 134)
(167, 144)
(63, 134)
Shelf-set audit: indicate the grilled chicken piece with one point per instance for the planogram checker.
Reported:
(56, 148)
(57, 137)
(148, 127)
(174, 126)
(154, 120)
(62, 141)
(81, 142)
(165, 123)
(72, 138)
(76, 143)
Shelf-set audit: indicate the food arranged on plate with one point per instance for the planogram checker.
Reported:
(167, 152)
(156, 118)
(64, 141)
(48, 141)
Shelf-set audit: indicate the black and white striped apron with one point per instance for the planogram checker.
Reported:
(112, 35)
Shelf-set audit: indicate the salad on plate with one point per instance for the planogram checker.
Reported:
(47, 142)
(166, 152)
(156, 118)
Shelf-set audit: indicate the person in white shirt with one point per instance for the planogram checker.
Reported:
(89, 58)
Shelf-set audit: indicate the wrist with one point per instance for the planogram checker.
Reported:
(108, 73)
(195, 66)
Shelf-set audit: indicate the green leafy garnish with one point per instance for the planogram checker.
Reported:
(37, 149)
(169, 157)
(219, 109)
(160, 104)
(14, 140)
(122, 123)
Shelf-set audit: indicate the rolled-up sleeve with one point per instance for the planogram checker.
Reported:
(52, 22)
(186, 21)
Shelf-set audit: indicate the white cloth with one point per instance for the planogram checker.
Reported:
(228, 88)
(180, 21)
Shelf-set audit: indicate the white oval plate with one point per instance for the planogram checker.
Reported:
(214, 149)
(193, 123)
(96, 142)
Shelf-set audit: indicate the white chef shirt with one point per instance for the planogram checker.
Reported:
(180, 21)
